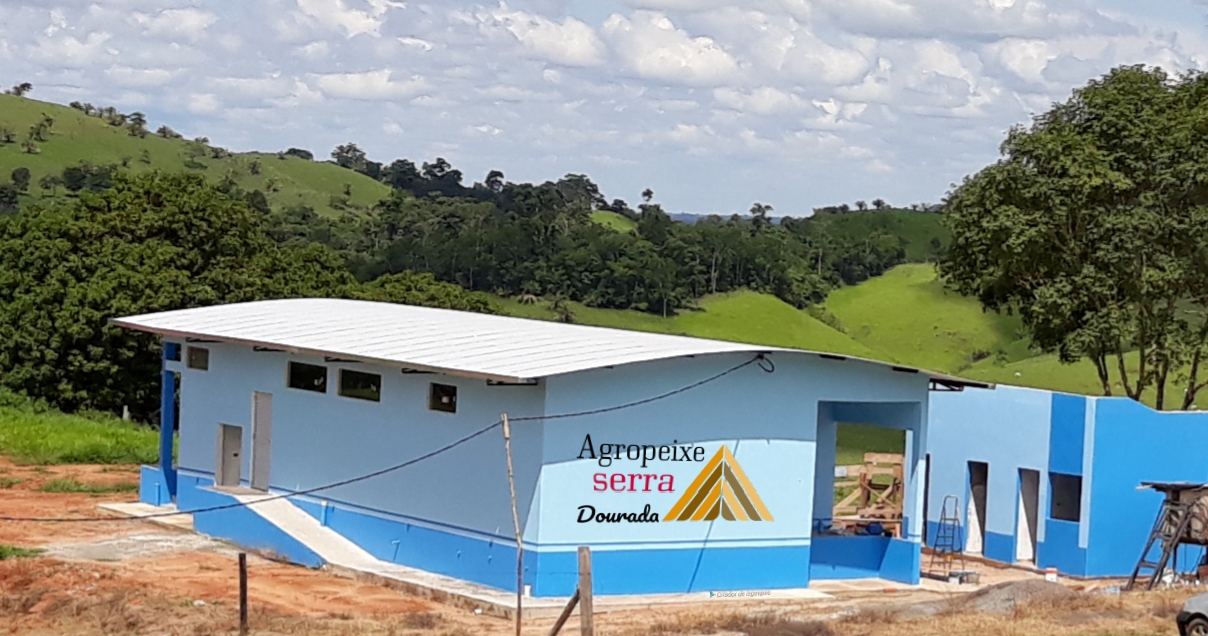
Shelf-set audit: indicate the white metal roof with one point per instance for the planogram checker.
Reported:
(426, 339)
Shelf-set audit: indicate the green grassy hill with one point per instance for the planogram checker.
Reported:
(613, 220)
(76, 137)
(743, 316)
(908, 316)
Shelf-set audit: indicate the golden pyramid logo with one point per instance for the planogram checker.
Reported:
(720, 490)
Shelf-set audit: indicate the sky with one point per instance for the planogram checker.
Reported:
(713, 105)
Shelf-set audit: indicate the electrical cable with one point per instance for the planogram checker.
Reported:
(242, 504)
(759, 358)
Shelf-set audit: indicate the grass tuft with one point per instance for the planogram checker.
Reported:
(76, 486)
(13, 552)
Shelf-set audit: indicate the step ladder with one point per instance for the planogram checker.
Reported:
(949, 538)
(1168, 532)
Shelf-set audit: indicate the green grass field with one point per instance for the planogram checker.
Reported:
(613, 220)
(33, 435)
(77, 137)
(907, 316)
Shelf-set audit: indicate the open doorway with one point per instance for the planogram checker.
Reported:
(869, 477)
(926, 496)
(1026, 524)
(867, 480)
(979, 478)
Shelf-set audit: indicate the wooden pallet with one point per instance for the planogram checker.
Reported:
(869, 500)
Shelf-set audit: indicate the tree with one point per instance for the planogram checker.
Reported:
(1093, 226)
(349, 156)
(879, 204)
(647, 195)
(151, 243)
(21, 89)
(258, 202)
(21, 178)
(861, 205)
(75, 178)
(166, 132)
(759, 216)
(10, 197)
(50, 182)
(494, 181)
(254, 167)
(137, 124)
(301, 154)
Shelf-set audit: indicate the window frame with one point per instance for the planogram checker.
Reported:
(340, 385)
(289, 375)
(1068, 481)
(189, 358)
(436, 405)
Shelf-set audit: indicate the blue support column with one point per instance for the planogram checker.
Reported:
(167, 417)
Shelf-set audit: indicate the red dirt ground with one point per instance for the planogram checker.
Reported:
(189, 593)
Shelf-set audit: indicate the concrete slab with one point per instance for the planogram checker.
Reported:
(138, 546)
(349, 560)
(138, 509)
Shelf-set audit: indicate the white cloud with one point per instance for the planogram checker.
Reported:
(652, 46)
(70, 52)
(796, 103)
(764, 100)
(138, 77)
(371, 85)
(188, 23)
(203, 103)
(571, 42)
(351, 21)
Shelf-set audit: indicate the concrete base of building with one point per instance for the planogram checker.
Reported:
(475, 597)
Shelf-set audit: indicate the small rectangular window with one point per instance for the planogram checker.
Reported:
(199, 358)
(172, 351)
(308, 377)
(1065, 497)
(443, 397)
(362, 386)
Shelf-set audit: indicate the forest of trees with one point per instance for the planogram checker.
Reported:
(540, 239)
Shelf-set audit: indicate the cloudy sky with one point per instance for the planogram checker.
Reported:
(794, 103)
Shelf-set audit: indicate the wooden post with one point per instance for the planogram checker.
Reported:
(570, 606)
(507, 445)
(586, 625)
(242, 594)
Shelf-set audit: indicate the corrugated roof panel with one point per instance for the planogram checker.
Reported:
(460, 342)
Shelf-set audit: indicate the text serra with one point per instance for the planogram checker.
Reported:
(633, 482)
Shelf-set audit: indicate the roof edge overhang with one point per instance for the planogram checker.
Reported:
(474, 375)
(949, 383)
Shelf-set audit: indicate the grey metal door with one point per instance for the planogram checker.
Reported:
(262, 435)
(228, 468)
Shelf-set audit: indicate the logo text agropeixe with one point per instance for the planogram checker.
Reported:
(720, 490)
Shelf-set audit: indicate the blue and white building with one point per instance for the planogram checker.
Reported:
(1048, 479)
(286, 396)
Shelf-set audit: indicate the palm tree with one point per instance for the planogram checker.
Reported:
(561, 307)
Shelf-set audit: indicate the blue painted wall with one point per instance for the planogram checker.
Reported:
(1113, 444)
(1134, 443)
(768, 420)
(1008, 428)
(451, 514)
